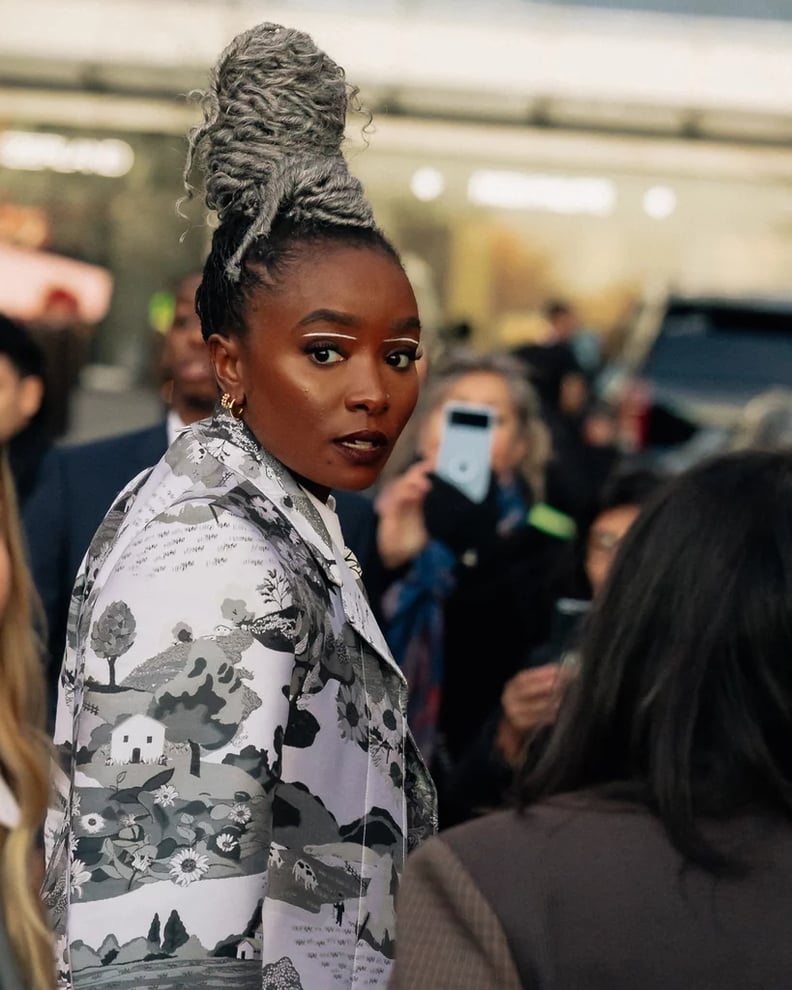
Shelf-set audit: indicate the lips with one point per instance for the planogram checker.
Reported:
(364, 447)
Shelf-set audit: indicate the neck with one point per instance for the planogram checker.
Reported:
(190, 410)
(319, 491)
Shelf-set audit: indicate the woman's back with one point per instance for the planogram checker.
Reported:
(593, 895)
(682, 704)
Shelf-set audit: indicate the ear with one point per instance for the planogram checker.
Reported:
(225, 354)
(31, 395)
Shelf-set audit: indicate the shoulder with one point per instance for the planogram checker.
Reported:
(152, 438)
(561, 829)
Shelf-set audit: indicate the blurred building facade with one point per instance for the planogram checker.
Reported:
(520, 150)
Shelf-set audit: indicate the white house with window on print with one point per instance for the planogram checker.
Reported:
(138, 739)
(249, 949)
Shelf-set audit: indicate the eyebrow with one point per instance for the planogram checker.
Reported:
(344, 336)
(347, 320)
(329, 316)
(401, 340)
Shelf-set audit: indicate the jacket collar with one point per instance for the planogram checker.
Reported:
(229, 441)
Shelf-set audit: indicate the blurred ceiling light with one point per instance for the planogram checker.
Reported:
(660, 202)
(553, 194)
(36, 151)
(427, 184)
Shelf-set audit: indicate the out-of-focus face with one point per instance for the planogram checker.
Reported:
(509, 448)
(20, 399)
(5, 561)
(186, 356)
(606, 533)
(327, 367)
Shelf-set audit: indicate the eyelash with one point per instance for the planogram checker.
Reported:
(320, 346)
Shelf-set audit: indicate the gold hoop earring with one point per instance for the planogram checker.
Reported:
(235, 408)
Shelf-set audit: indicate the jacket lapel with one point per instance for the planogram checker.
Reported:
(231, 442)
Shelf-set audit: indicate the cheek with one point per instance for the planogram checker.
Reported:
(407, 397)
(507, 451)
(429, 438)
(596, 570)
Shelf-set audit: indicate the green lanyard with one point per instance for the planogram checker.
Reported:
(549, 520)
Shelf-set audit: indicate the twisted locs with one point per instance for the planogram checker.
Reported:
(270, 142)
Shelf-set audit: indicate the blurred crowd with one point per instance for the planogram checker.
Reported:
(486, 604)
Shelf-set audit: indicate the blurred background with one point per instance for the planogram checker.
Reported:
(632, 158)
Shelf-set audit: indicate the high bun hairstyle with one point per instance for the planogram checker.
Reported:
(270, 148)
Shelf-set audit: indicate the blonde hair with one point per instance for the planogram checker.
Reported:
(24, 755)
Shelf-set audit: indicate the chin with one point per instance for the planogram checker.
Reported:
(357, 481)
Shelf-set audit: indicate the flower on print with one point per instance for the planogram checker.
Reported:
(267, 511)
(165, 796)
(226, 842)
(241, 814)
(187, 866)
(182, 633)
(250, 466)
(140, 863)
(396, 775)
(79, 876)
(388, 724)
(75, 804)
(353, 714)
(74, 843)
(92, 823)
(127, 821)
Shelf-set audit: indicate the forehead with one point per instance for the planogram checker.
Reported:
(484, 387)
(362, 282)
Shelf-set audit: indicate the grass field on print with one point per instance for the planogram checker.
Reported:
(174, 974)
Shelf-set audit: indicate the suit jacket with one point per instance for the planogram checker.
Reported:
(574, 895)
(236, 762)
(75, 488)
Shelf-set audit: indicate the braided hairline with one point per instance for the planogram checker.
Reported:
(222, 302)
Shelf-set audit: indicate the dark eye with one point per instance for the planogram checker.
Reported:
(401, 360)
(322, 354)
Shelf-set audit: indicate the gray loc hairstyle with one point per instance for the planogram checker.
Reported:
(270, 144)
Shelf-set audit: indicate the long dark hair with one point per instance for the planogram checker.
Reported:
(684, 699)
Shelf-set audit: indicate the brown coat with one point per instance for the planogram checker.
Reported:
(585, 897)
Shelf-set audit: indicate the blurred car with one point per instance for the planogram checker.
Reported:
(691, 368)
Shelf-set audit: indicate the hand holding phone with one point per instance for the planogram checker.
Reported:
(465, 454)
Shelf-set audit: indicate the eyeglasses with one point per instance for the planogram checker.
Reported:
(603, 541)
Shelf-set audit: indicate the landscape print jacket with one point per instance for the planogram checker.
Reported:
(237, 789)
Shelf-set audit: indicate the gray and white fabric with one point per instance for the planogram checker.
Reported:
(237, 788)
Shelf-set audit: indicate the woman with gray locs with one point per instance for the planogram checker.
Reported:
(238, 788)
(653, 847)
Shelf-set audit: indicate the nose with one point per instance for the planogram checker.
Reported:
(367, 389)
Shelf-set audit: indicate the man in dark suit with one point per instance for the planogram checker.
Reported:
(77, 485)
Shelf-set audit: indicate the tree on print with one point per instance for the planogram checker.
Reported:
(113, 634)
(204, 705)
(175, 934)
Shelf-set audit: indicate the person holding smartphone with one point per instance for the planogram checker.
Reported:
(474, 581)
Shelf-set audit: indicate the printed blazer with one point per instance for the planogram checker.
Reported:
(237, 788)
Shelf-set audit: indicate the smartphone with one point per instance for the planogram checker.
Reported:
(465, 455)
